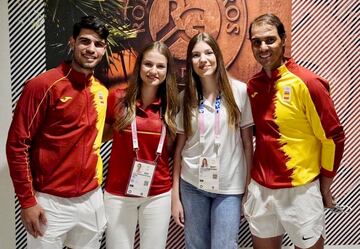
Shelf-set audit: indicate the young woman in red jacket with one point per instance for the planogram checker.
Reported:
(138, 182)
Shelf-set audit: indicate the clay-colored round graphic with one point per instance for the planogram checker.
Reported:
(183, 21)
(175, 22)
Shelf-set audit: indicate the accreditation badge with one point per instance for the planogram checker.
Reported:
(209, 173)
(141, 177)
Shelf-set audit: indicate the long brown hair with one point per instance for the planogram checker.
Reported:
(193, 89)
(167, 92)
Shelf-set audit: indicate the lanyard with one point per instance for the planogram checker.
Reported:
(136, 141)
(217, 120)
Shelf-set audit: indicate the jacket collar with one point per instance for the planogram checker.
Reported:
(156, 103)
(75, 77)
(276, 73)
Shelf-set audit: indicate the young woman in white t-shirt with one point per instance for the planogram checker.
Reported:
(215, 124)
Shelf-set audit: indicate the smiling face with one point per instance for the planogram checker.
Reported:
(267, 46)
(203, 60)
(88, 50)
(153, 68)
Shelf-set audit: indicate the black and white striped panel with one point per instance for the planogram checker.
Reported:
(105, 155)
(27, 59)
(325, 39)
(27, 43)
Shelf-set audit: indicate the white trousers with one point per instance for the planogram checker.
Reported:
(123, 213)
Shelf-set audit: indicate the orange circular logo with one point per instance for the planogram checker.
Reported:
(175, 22)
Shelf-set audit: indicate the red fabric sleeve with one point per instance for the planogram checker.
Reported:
(320, 94)
(28, 117)
(113, 104)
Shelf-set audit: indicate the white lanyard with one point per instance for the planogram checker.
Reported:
(136, 143)
(217, 120)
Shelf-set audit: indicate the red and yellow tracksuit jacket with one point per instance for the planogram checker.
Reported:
(54, 139)
(298, 134)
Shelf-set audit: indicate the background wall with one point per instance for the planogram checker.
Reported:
(7, 204)
(324, 38)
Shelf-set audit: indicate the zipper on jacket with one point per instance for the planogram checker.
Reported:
(83, 138)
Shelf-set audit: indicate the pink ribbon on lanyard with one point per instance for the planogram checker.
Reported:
(136, 143)
(217, 120)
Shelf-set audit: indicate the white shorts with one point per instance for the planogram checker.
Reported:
(77, 222)
(298, 211)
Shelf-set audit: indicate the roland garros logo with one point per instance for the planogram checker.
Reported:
(175, 22)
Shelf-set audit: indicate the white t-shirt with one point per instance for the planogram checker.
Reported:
(231, 152)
